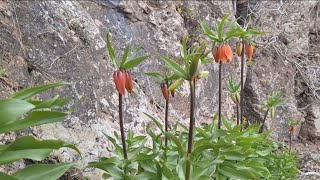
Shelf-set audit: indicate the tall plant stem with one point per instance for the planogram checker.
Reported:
(238, 115)
(194, 93)
(290, 136)
(220, 92)
(123, 138)
(241, 81)
(192, 103)
(166, 121)
(264, 121)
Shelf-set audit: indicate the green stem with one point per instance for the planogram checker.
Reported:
(238, 115)
(123, 138)
(264, 121)
(192, 102)
(220, 93)
(241, 81)
(290, 136)
(166, 121)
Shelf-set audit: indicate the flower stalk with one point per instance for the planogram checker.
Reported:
(220, 93)
(264, 121)
(190, 139)
(242, 83)
(123, 138)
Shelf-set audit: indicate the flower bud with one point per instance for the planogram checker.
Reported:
(215, 54)
(173, 92)
(116, 80)
(273, 113)
(165, 92)
(249, 51)
(129, 82)
(239, 48)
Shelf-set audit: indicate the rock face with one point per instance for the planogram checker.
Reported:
(51, 41)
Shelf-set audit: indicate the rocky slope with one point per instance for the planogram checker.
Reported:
(51, 41)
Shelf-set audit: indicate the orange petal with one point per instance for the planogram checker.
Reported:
(223, 58)
(249, 51)
(228, 52)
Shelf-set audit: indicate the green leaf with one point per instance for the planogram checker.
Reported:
(176, 141)
(175, 84)
(110, 166)
(184, 48)
(154, 74)
(220, 28)
(194, 69)
(30, 148)
(42, 171)
(11, 109)
(26, 93)
(175, 67)
(173, 77)
(125, 55)
(131, 63)
(7, 177)
(111, 52)
(35, 118)
(54, 102)
(155, 121)
(206, 29)
(226, 123)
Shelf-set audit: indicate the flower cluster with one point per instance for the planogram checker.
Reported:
(123, 81)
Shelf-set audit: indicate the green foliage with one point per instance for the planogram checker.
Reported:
(226, 30)
(233, 85)
(274, 100)
(128, 60)
(217, 154)
(192, 60)
(19, 112)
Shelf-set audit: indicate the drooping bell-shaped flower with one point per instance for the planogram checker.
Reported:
(215, 54)
(129, 82)
(222, 53)
(249, 51)
(119, 78)
(239, 48)
(165, 92)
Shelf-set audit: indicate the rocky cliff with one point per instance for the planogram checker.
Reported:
(51, 41)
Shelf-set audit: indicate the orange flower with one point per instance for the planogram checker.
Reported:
(119, 79)
(239, 48)
(224, 53)
(129, 82)
(291, 129)
(165, 92)
(249, 51)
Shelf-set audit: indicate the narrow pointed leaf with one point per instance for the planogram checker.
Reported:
(155, 121)
(220, 28)
(26, 93)
(35, 118)
(11, 109)
(176, 84)
(125, 55)
(111, 52)
(42, 171)
(131, 63)
(28, 147)
(175, 67)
